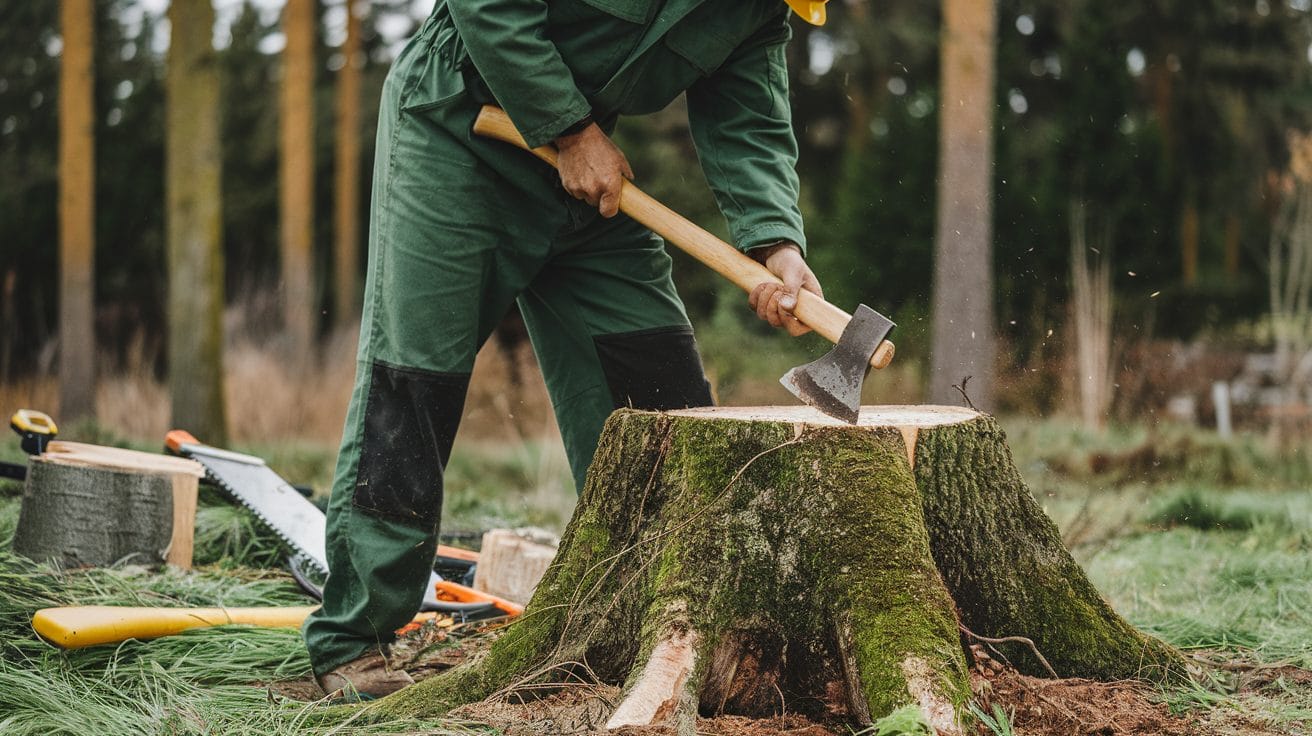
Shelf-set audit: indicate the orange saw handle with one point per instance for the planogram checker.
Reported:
(449, 591)
(721, 257)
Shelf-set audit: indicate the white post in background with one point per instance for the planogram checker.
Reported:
(1221, 400)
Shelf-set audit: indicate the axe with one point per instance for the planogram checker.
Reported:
(831, 384)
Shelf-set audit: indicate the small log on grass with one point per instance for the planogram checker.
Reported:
(88, 505)
(755, 561)
(511, 564)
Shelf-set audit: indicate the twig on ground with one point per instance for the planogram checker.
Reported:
(1012, 640)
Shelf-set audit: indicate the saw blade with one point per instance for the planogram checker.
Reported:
(280, 507)
(247, 479)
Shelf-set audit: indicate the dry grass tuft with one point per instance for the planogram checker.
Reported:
(271, 400)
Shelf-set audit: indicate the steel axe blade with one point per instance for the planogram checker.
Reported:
(832, 384)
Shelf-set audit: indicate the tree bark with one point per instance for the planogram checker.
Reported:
(77, 211)
(195, 223)
(297, 176)
(347, 251)
(963, 242)
(756, 561)
(1189, 238)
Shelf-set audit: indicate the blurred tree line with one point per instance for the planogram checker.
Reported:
(130, 171)
(1160, 121)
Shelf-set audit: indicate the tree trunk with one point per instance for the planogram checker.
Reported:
(195, 223)
(1091, 310)
(297, 177)
(1189, 237)
(752, 561)
(86, 505)
(1233, 236)
(346, 259)
(963, 242)
(77, 211)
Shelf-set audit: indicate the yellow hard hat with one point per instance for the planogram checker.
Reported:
(812, 11)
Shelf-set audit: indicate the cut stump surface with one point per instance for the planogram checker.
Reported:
(757, 561)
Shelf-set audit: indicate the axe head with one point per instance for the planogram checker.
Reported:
(832, 384)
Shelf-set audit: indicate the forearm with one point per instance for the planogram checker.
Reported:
(742, 126)
(508, 45)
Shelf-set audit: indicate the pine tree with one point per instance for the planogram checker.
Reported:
(195, 242)
(963, 262)
(297, 175)
(77, 212)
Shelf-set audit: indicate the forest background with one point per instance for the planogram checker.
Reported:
(1145, 182)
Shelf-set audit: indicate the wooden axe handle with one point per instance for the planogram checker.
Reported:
(721, 257)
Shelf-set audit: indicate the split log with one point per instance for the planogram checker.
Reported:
(88, 505)
(511, 563)
(755, 561)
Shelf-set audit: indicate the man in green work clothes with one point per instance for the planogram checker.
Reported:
(463, 226)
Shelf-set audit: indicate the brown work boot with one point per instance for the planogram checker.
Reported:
(365, 678)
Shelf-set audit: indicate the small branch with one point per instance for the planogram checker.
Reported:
(1012, 640)
(961, 389)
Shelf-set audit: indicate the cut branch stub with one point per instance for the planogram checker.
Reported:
(756, 561)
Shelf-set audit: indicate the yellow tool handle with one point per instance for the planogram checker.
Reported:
(74, 627)
(721, 257)
(36, 422)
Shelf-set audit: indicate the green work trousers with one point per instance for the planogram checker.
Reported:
(460, 228)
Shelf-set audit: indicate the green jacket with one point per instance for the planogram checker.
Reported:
(549, 63)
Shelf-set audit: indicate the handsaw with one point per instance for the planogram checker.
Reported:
(301, 525)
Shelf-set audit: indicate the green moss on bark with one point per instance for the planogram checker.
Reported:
(1009, 573)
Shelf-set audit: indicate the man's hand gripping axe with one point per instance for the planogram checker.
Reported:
(831, 384)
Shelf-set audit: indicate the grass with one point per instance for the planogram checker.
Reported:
(998, 722)
(1249, 589)
(1204, 542)
(204, 681)
(213, 681)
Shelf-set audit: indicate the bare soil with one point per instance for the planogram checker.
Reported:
(1072, 706)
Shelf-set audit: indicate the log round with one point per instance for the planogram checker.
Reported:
(88, 505)
(754, 561)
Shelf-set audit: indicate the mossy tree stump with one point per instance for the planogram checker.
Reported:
(747, 561)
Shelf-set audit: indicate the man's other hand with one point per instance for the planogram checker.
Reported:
(592, 168)
(775, 303)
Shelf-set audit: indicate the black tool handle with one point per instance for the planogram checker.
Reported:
(13, 470)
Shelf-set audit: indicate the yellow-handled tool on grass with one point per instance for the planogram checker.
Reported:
(75, 627)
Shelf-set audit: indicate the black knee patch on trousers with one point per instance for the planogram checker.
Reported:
(410, 420)
(654, 369)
